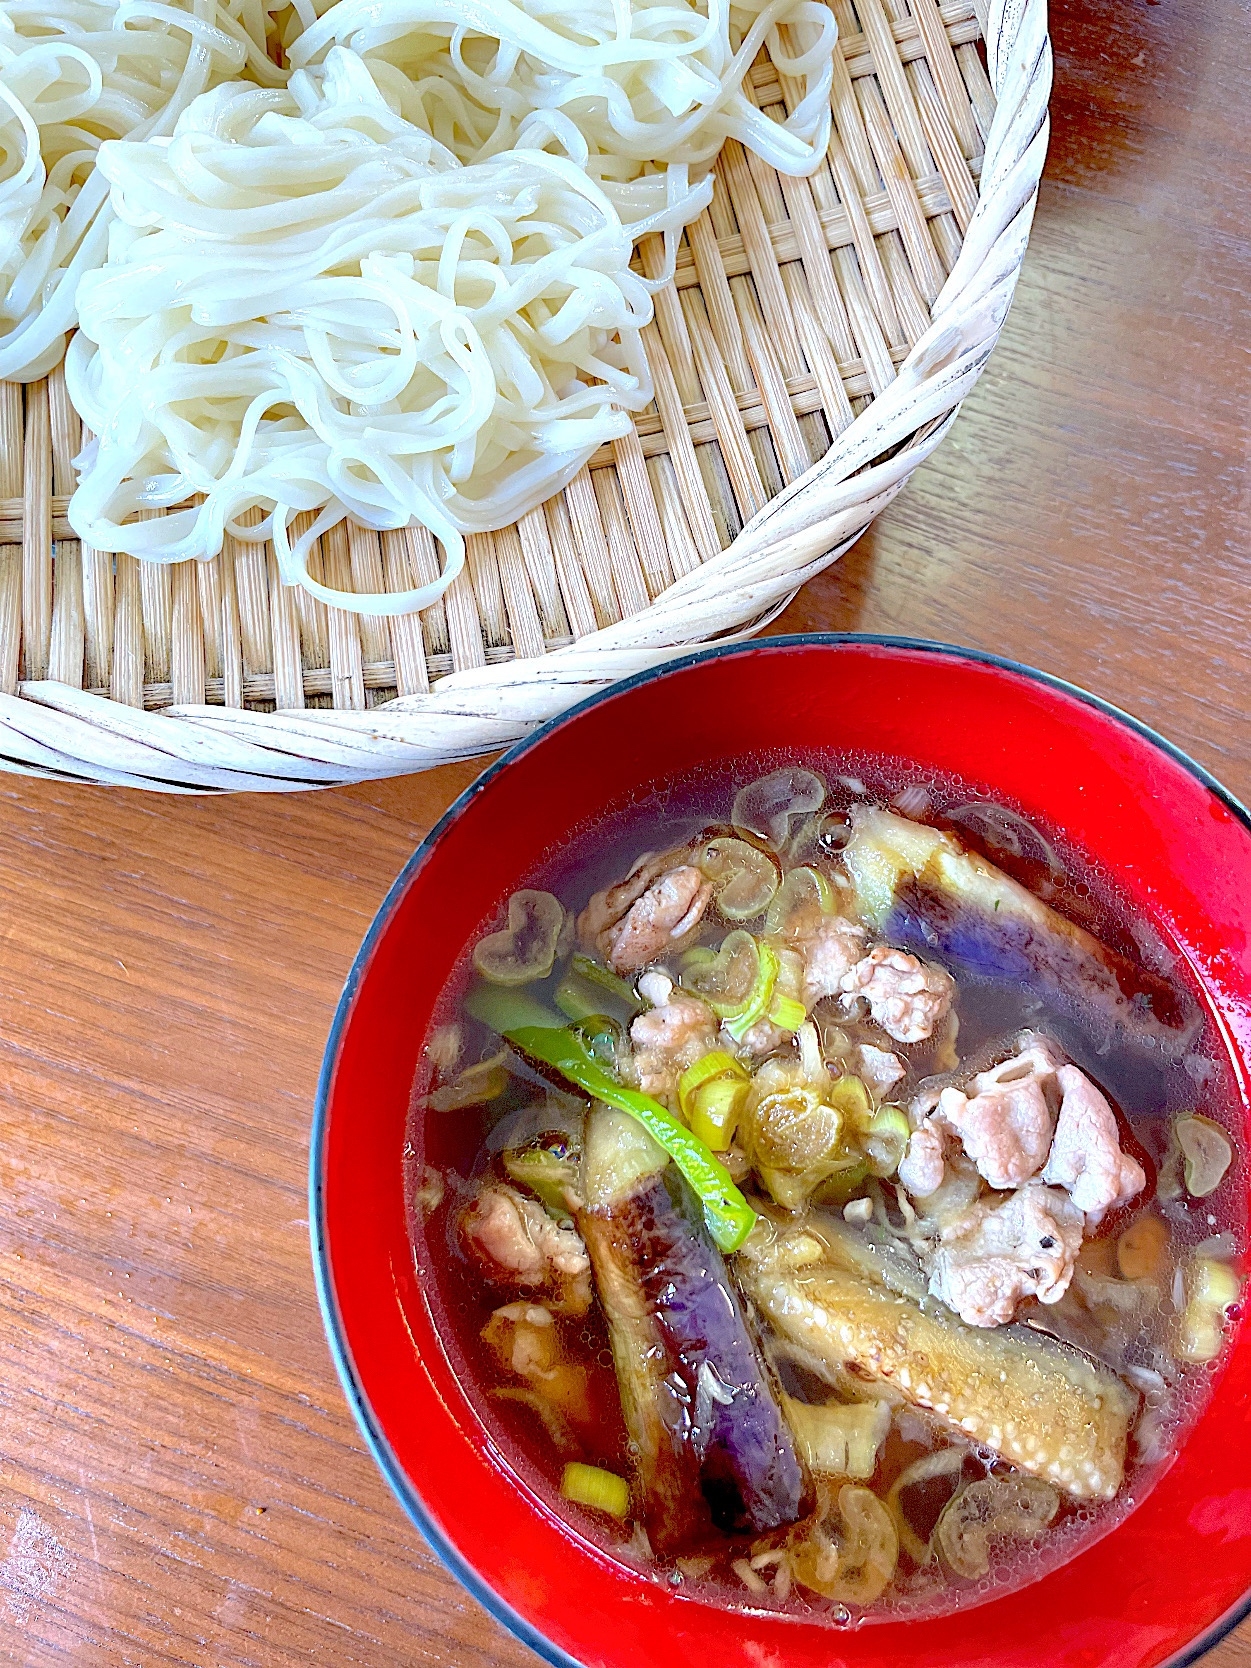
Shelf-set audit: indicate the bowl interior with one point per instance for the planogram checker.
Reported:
(1178, 850)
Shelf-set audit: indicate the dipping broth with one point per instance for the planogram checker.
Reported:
(846, 1216)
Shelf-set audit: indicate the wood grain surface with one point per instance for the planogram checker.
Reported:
(180, 1482)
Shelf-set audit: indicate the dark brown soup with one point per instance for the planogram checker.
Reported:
(837, 1207)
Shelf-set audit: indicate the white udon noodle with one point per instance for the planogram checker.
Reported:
(74, 73)
(619, 85)
(310, 306)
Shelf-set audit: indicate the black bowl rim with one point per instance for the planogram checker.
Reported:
(375, 1439)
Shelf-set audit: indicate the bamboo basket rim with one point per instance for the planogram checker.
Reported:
(813, 349)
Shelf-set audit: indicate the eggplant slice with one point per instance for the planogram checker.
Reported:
(924, 892)
(710, 1440)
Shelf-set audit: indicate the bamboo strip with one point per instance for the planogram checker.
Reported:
(763, 257)
(232, 638)
(126, 674)
(891, 86)
(680, 447)
(484, 580)
(672, 512)
(591, 545)
(187, 636)
(69, 627)
(640, 503)
(464, 629)
(715, 287)
(789, 445)
(977, 84)
(536, 549)
(524, 625)
(36, 533)
(570, 573)
(365, 552)
(901, 191)
(816, 345)
(945, 144)
(285, 624)
(950, 91)
(627, 570)
(425, 560)
(12, 425)
(209, 584)
(398, 558)
(346, 684)
(156, 610)
(727, 420)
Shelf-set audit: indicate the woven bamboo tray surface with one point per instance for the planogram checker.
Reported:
(812, 350)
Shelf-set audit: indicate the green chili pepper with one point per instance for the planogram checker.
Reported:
(728, 1215)
(504, 1008)
(587, 988)
(622, 989)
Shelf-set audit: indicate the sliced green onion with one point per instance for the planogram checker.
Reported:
(759, 997)
(577, 999)
(844, 1182)
(590, 1485)
(946, 1462)
(525, 950)
(1213, 1287)
(1207, 1153)
(713, 1065)
(715, 1110)
(787, 1013)
(744, 878)
(806, 890)
(706, 972)
(887, 1139)
(852, 1099)
(475, 1086)
(1214, 1284)
(728, 1215)
(587, 988)
(838, 1440)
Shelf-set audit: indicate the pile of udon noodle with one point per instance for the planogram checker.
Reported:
(330, 266)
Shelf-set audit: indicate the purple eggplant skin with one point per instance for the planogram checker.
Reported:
(654, 1401)
(712, 1442)
(1121, 1000)
(750, 1472)
(923, 890)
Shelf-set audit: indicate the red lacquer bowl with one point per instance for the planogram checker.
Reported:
(1165, 1583)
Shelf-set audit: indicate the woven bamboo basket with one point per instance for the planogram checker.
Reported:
(812, 351)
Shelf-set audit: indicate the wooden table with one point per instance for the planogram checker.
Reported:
(180, 1482)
